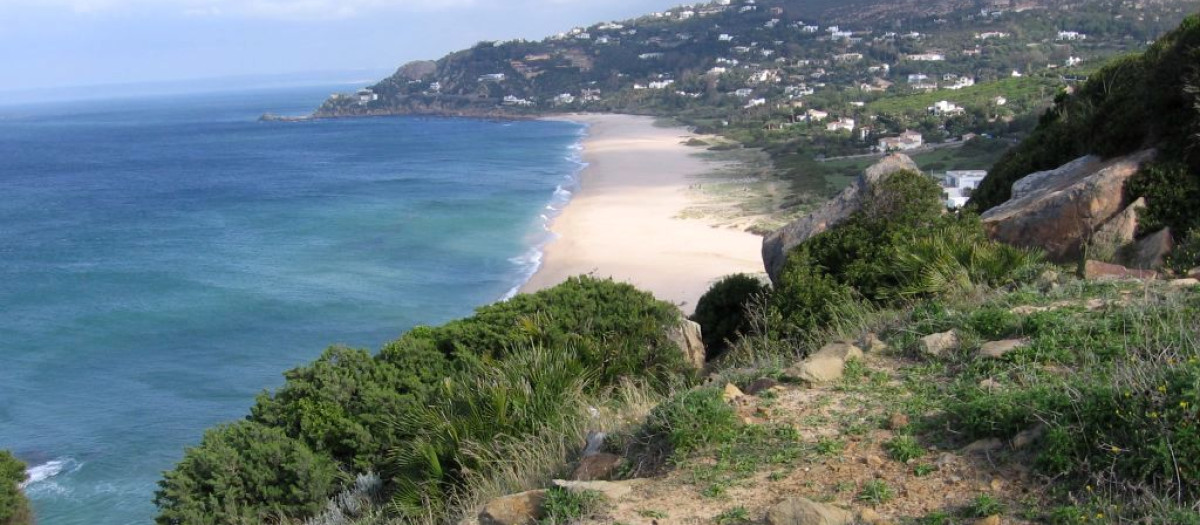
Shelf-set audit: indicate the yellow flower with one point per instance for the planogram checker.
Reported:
(1089, 488)
(1183, 404)
(1116, 449)
(1162, 388)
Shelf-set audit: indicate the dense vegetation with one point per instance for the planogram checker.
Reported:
(418, 411)
(14, 508)
(899, 247)
(722, 310)
(1140, 101)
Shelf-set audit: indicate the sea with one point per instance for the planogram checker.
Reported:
(165, 258)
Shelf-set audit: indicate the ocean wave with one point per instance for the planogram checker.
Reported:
(530, 262)
(40, 477)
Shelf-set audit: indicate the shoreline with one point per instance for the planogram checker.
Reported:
(624, 221)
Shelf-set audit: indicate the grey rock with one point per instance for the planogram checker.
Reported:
(1149, 252)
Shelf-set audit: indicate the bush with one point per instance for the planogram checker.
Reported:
(901, 246)
(1171, 193)
(14, 508)
(245, 473)
(721, 311)
(690, 421)
(1186, 254)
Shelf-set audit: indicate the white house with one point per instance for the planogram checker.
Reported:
(725, 37)
(945, 108)
(816, 115)
(493, 77)
(366, 96)
(660, 84)
(957, 186)
(917, 77)
(908, 140)
(755, 102)
(846, 124)
(565, 98)
(510, 100)
(961, 82)
(1073, 61)
(1071, 35)
(744, 92)
(927, 57)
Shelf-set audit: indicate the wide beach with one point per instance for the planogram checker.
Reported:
(625, 220)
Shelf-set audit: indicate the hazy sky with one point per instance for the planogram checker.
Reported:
(51, 43)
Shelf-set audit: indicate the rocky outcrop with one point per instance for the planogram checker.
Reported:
(803, 511)
(777, 245)
(687, 336)
(524, 508)
(1061, 210)
(416, 70)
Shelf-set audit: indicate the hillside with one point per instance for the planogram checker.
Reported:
(803, 81)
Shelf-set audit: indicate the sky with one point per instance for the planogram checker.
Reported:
(66, 43)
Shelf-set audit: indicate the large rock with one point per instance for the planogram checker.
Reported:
(777, 245)
(524, 508)
(686, 335)
(803, 511)
(998, 349)
(1061, 209)
(1099, 271)
(1149, 252)
(826, 365)
(1117, 233)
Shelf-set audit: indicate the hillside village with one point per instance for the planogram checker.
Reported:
(791, 69)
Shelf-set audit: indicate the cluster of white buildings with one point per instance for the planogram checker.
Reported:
(958, 185)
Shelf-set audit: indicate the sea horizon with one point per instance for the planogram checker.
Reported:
(168, 257)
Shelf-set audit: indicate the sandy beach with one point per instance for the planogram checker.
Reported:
(624, 222)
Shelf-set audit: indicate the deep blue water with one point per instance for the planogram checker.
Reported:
(163, 260)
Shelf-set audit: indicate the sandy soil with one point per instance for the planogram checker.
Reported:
(625, 220)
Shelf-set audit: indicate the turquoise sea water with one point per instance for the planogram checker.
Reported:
(163, 260)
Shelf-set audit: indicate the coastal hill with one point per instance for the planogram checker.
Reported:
(820, 87)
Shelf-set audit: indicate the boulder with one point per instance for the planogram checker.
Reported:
(983, 446)
(1194, 273)
(776, 246)
(1185, 283)
(686, 336)
(937, 344)
(1117, 233)
(732, 392)
(1059, 210)
(997, 349)
(826, 365)
(1025, 438)
(600, 466)
(803, 511)
(1099, 271)
(524, 508)
(990, 520)
(611, 490)
(1149, 252)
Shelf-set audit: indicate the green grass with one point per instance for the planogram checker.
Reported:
(904, 448)
(734, 516)
(876, 492)
(985, 505)
(564, 506)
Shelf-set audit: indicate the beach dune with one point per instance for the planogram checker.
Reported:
(624, 222)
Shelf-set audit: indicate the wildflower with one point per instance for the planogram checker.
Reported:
(1162, 388)
(1116, 450)
(1183, 404)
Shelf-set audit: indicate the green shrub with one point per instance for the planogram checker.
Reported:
(691, 421)
(721, 311)
(340, 404)
(904, 448)
(467, 423)
(807, 298)
(1186, 255)
(1172, 192)
(14, 508)
(245, 473)
(563, 506)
